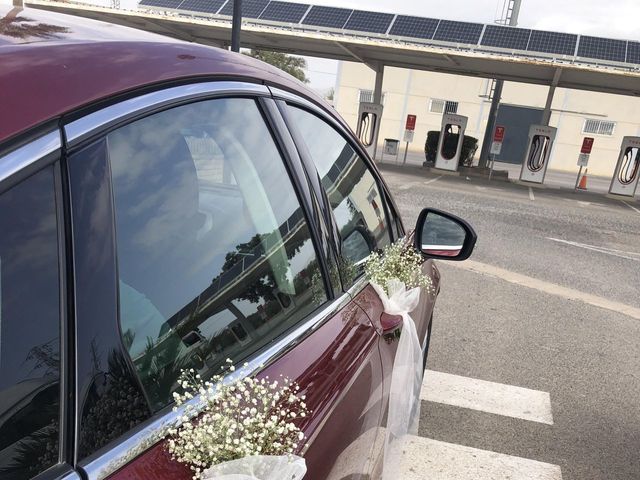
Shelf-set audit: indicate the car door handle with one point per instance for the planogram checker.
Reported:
(390, 323)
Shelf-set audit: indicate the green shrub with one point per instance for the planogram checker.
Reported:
(469, 148)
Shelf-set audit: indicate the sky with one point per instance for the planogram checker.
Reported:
(608, 18)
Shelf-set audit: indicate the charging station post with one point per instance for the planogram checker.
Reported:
(450, 142)
(409, 129)
(369, 116)
(536, 160)
(583, 158)
(627, 172)
(496, 146)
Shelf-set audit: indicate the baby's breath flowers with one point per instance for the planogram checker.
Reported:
(398, 261)
(245, 417)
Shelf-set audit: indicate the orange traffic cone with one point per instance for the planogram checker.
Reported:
(583, 181)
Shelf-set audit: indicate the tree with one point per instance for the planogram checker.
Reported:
(292, 65)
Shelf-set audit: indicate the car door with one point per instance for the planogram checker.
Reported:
(200, 222)
(34, 338)
(363, 215)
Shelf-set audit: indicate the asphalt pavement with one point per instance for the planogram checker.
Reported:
(534, 367)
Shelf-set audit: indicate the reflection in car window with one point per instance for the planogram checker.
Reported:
(352, 190)
(214, 254)
(29, 328)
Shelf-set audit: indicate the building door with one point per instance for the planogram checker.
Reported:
(517, 120)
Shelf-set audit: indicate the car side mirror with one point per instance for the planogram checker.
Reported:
(444, 236)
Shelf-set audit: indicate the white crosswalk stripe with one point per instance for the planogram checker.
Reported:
(423, 458)
(426, 459)
(490, 397)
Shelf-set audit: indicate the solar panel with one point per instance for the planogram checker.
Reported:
(552, 42)
(369, 21)
(330, 17)
(602, 48)
(416, 27)
(506, 37)
(160, 3)
(206, 6)
(458, 32)
(284, 12)
(633, 52)
(250, 8)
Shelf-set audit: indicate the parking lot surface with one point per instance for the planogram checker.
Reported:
(534, 370)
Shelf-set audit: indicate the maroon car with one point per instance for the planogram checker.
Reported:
(166, 205)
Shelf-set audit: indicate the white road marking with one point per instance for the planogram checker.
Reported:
(547, 287)
(481, 188)
(426, 459)
(531, 197)
(630, 206)
(497, 398)
(409, 185)
(432, 180)
(608, 251)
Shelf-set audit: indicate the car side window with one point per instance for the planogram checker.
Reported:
(29, 328)
(354, 195)
(215, 256)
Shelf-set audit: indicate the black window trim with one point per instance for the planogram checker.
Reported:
(300, 182)
(17, 166)
(284, 99)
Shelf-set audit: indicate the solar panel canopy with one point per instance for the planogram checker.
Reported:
(416, 27)
(250, 8)
(458, 32)
(205, 6)
(161, 3)
(506, 37)
(330, 17)
(284, 12)
(602, 48)
(421, 28)
(552, 42)
(369, 21)
(633, 52)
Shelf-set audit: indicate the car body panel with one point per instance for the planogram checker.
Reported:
(338, 369)
(342, 364)
(61, 72)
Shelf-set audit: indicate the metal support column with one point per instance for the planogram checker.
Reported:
(546, 115)
(491, 124)
(511, 10)
(236, 25)
(377, 94)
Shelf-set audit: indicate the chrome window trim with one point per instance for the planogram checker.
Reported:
(126, 450)
(72, 476)
(25, 155)
(79, 129)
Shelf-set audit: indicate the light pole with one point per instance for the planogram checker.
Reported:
(236, 25)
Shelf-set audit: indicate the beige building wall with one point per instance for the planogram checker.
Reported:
(410, 92)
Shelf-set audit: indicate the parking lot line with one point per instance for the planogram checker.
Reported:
(531, 196)
(432, 180)
(630, 206)
(491, 397)
(427, 459)
(548, 287)
(634, 256)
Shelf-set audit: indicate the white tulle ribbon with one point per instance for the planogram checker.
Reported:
(406, 377)
(259, 467)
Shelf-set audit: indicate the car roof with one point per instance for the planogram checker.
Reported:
(52, 64)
